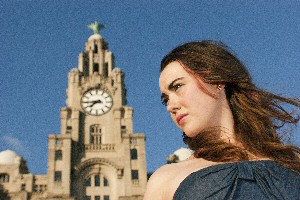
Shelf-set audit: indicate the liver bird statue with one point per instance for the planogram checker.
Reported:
(96, 27)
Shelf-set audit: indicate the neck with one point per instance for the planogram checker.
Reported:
(226, 124)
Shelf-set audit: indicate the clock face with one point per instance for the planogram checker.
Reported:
(96, 102)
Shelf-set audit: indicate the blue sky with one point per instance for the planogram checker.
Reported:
(41, 40)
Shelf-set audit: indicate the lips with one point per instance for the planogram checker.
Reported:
(180, 118)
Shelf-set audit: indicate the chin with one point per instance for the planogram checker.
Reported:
(191, 134)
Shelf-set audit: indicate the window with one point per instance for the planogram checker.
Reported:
(95, 134)
(92, 141)
(41, 188)
(133, 153)
(106, 197)
(58, 155)
(88, 182)
(96, 48)
(105, 70)
(123, 130)
(96, 67)
(23, 187)
(105, 182)
(97, 180)
(69, 129)
(97, 198)
(134, 174)
(87, 198)
(4, 178)
(35, 188)
(97, 186)
(57, 176)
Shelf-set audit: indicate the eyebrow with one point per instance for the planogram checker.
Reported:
(170, 87)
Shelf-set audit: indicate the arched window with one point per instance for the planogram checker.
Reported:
(97, 180)
(94, 187)
(95, 134)
(134, 154)
(88, 182)
(105, 182)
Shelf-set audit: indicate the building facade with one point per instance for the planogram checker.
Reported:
(97, 155)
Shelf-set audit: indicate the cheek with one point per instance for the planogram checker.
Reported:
(187, 97)
(193, 98)
(202, 104)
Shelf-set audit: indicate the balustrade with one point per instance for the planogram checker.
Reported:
(100, 147)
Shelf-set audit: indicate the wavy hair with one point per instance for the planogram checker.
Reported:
(259, 115)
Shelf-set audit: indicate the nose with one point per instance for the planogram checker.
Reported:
(173, 104)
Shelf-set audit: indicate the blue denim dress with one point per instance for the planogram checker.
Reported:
(241, 180)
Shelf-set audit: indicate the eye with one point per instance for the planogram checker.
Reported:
(164, 101)
(177, 86)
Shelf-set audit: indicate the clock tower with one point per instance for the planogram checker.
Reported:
(97, 155)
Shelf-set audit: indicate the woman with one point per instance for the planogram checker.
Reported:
(232, 126)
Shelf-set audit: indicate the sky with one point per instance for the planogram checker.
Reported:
(41, 40)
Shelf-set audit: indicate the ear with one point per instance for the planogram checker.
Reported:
(220, 87)
(221, 91)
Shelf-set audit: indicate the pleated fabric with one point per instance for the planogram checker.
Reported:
(258, 180)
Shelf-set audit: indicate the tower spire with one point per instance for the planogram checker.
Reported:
(96, 27)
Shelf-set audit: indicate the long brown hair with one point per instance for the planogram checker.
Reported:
(258, 114)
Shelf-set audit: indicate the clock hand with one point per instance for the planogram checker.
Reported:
(94, 102)
(98, 101)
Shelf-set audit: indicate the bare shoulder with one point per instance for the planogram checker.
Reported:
(165, 181)
(157, 186)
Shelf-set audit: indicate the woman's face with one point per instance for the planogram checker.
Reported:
(192, 109)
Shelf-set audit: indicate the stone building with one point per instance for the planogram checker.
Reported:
(97, 156)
